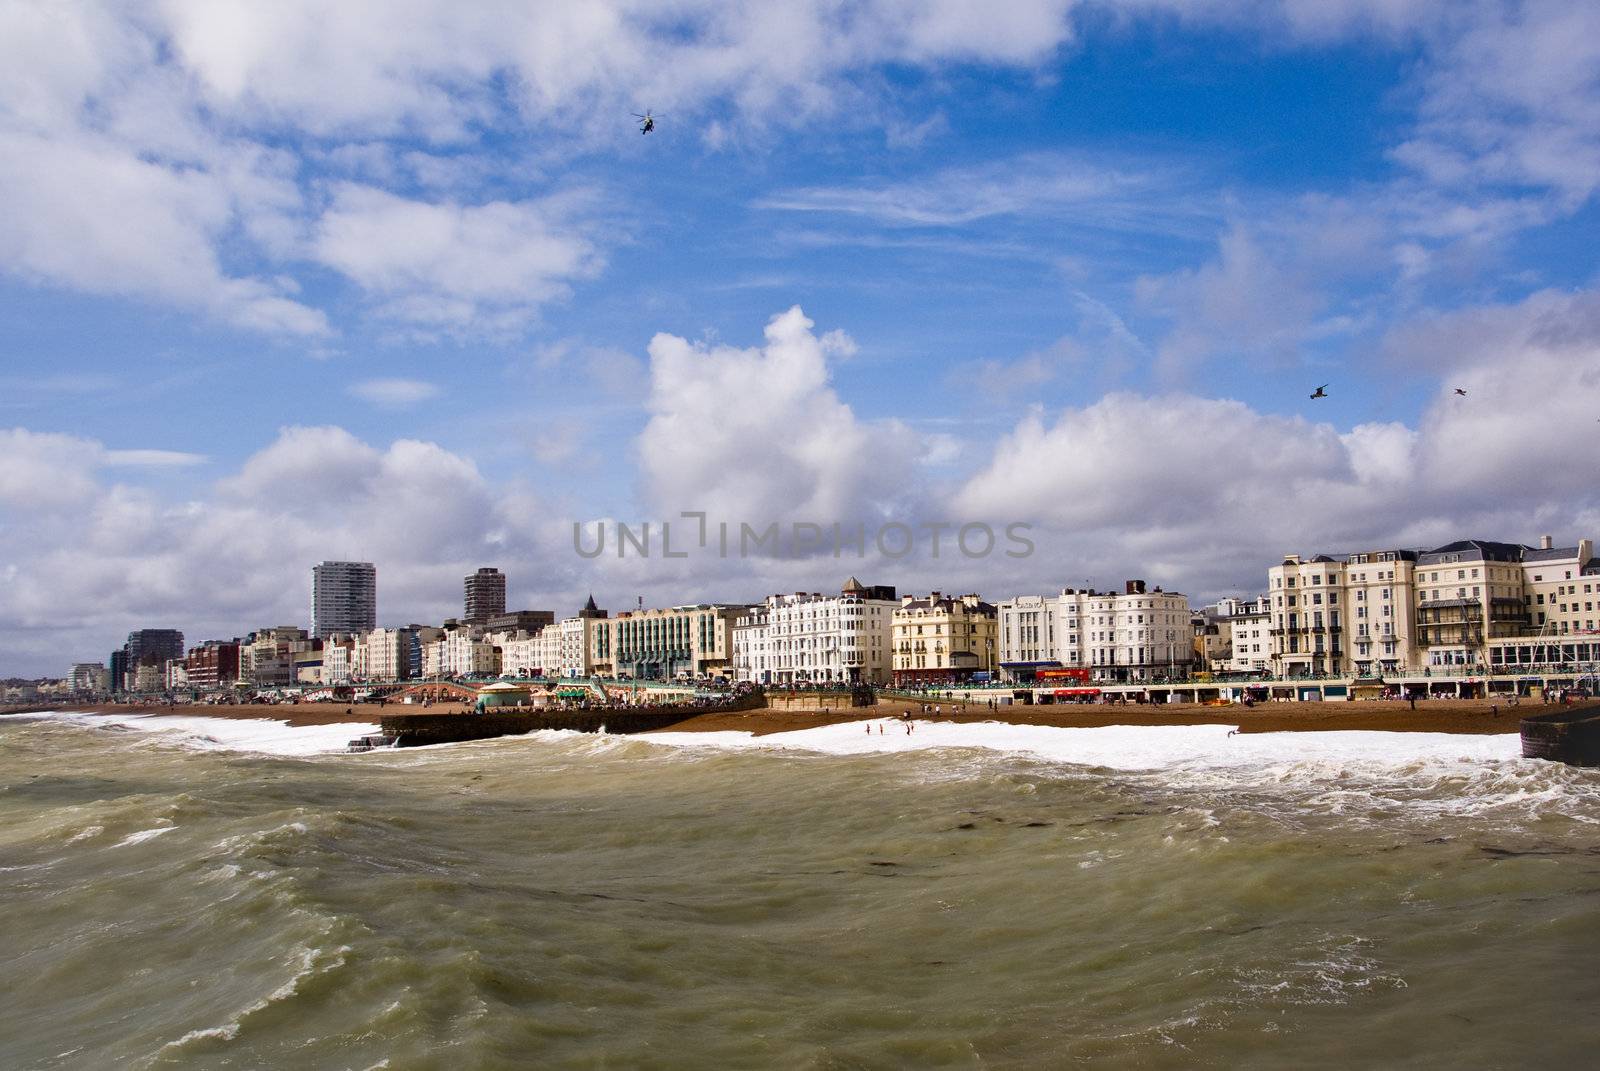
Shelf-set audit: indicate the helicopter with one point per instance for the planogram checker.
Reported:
(647, 122)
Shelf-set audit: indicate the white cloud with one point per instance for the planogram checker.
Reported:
(156, 459)
(447, 265)
(86, 213)
(394, 393)
(760, 435)
(1205, 492)
(92, 559)
(1034, 184)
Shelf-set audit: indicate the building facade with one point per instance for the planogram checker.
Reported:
(943, 639)
(344, 598)
(89, 678)
(818, 639)
(1465, 606)
(1134, 635)
(214, 664)
(483, 596)
(661, 644)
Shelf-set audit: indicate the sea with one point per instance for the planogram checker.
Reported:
(199, 893)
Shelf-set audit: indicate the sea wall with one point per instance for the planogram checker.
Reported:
(821, 700)
(416, 730)
(1571, 736)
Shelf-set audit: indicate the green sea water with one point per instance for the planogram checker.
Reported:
(603, 902)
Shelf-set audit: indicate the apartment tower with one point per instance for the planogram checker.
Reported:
(344, 598)
(484, 596)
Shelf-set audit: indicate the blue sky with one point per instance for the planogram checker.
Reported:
(410, 286)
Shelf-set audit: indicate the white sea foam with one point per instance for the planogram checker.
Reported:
(1356, 773)
(1126, 747)
(142, 836)
(227, 734)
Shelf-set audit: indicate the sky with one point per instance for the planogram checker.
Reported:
(403, 282)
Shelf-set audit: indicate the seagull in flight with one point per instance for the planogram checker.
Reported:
(1322, 392)
(1461, 392)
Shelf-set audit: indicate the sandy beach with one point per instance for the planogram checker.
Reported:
(1430, 716)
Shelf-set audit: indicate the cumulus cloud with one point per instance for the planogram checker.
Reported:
(760, 435)
(447, 265)
(166, 152)
(1203, 492)
(90, 557)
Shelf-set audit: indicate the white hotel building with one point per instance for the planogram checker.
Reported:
(1136, 635)
(819, 639)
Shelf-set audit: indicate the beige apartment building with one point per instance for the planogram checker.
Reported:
(1460, 607)
(943, 638)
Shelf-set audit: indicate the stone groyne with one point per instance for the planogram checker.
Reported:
(417, 730)
(1570, 735)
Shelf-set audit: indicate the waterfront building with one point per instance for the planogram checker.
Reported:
(529, 621)
(344, 598)
(520, 654)
(214, 664)
(433, 658)
(1132, 635)
(1026, 627)
(276, 656)
(385, 654)
(118, 670)
(1466, 605)
(660, 644)
(938, 639)
(577, 652)
(551, 650)
(1249, 636)
(175, 674)
(1469, 592)
(1337, 614)
(483, 596)
(148, 645)
(751, 659)
(819, 639)
(149, 675)
(1560, 587)
(465, 652)
(88, 678)
(338, 658)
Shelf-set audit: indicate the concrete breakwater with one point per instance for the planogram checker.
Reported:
(416, 730)
(1571, 736)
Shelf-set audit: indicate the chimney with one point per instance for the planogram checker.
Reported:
(1545, 542)
(1135, 587)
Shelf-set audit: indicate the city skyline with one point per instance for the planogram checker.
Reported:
(1527, 595)
(434, 303)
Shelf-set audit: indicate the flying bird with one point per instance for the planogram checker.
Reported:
(1461, 392)
(1322, 392)
(647, 122)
